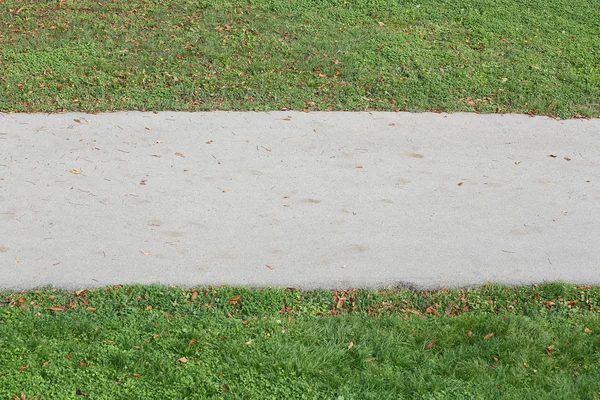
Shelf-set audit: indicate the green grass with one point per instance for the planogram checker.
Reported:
(535, 56)
(125, 342)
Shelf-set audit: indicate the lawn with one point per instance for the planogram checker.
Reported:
(155, 342)
(537, 57)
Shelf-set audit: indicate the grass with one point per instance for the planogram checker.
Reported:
(538, 56)
(490, 342)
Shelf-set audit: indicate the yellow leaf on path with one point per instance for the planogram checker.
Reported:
(145, 252)
(179, 155)
(183, 360)
(75, 171)
(17, 261)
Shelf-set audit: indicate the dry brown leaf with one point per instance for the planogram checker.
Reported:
(551, 155)
(381, 23)
(549, 350)
(525, 364)
(270, 266)
(431, 310)
(587, 330)
(83, 363)
(23, 368)
(460, 183)
(359, 166)
(136, 375)
(248, 343)
(179, 155)
(208, 141)
(143, 182)
(287, 119)
(54, 309)
(225, 387)
(156, 155)
(489, 335)
(80, 291)
(469, 333)
(517, 162)
(45, 364)
(182, 360)
(194, 295)
(145, 252)
(430, 344)
(148, 308)
(234, 299)
(17, 261)
(350, 345)
(77, 120)
(567, 158)
(75, 171)
(91, 309)
(371, 359)
(191, 342)
(148, 128)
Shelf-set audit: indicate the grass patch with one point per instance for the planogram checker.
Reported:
(531, 342)
(540, 56)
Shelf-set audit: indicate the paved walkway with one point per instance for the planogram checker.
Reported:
(297, 199)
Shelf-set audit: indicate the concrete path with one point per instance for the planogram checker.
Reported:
(297, 199)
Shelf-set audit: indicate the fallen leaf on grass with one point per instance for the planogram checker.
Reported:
(81, 393)
(469, 333)
(248, 343)
(371, 359)
(234, 299)
(22, 369)
(269, 266)
(225, 387)
(83, 363)
(431, 310)
(194, 295)
(148, 308)
(54, 309)
(90, 309)
(80, 292)
(179, 155)
(135, 375)
(381, 23)
(525, 364)
(489, 335)
(75, 171)
(45, 364)
(350, 345)
(182, 360)
(587, 330)
(156, 155)
(430, 344)
(549, 350)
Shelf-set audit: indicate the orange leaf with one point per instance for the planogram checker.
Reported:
(182, 360)
(469, 333)
(431, 310)
(179, 155)
(430, 344)
(45, 364)
(269, 266)
(54, 309)
(194, 295)
(587, 330)
(79, 292)
(136, 375)
(234, 299)
(489, 335)
(23, 368)
(371, 359)
(91, 309)
(148, 308)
